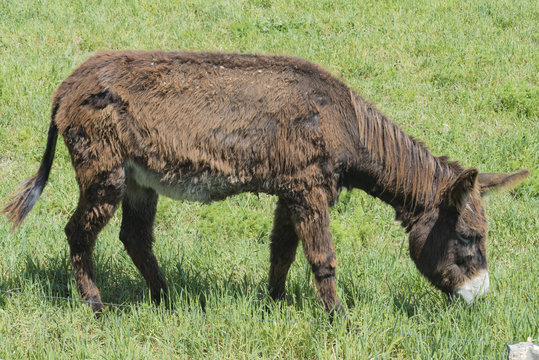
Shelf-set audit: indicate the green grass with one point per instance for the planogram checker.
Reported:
(463, 77)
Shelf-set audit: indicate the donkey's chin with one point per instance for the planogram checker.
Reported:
(474, 288)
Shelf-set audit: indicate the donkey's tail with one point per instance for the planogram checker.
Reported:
(22, 200)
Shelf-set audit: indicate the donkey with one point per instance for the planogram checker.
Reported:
(204, 126)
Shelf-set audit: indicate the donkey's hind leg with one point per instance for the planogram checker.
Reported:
(98, 200)
(138, 214)
(284, 243)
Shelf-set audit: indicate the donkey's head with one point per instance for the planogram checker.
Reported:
(447, 243)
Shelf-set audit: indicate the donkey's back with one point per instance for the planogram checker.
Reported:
(184, 118)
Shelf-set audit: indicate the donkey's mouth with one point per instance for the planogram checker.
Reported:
(473, 288)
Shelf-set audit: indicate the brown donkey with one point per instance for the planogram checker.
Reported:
(204, 126)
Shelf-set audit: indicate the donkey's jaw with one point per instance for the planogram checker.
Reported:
(473, 288)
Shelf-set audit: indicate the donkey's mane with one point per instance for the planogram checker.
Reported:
(405, 167)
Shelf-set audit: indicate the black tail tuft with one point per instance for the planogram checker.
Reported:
(24, 198)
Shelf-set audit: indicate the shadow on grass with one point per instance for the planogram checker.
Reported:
(425, 301)
(192, 288)
(52, 280)
(408, 302)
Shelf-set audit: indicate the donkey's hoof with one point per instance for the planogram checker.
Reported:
(96, 305)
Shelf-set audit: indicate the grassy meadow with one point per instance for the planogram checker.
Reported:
(460, 76)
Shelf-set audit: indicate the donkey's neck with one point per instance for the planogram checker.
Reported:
(394, 167)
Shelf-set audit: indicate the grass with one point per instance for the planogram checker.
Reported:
(460, 76)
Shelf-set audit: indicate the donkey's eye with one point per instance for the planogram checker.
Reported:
(464, 240)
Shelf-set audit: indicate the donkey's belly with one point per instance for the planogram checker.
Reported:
(202, 186)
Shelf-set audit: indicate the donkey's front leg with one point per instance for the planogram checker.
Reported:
(312, 226)
(284, 243)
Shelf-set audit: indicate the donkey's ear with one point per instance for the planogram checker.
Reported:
(462, 187)
(488, 182)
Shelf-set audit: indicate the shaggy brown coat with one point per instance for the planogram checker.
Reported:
(204, 126)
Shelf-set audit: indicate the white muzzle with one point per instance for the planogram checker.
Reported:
(474, 288)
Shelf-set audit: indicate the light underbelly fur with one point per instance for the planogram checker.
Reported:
(204, 186)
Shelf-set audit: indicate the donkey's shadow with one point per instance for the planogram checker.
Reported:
(52, 279)
(121, 286)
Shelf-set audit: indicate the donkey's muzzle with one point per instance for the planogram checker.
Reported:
(473, 288)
